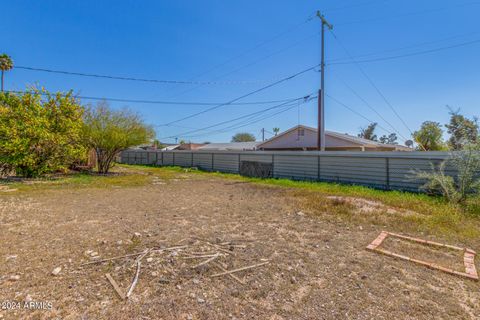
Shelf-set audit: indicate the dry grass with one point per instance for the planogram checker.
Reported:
(407, 212)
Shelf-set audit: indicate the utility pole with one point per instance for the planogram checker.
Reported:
(321, 92)
(263, 134)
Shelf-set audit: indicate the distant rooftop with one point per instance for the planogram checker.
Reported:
(231, 146)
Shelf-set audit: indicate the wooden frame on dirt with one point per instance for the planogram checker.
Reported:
(468, 257)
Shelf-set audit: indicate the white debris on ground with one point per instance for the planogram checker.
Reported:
(190, 256)
(368, 206)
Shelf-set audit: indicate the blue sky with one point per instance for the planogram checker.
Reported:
(246, 45)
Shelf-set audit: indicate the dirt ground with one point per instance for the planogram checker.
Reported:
(318, 268)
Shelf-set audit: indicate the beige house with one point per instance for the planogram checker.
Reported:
(305, 138)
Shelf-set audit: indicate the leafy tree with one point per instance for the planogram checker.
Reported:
(462, 131)
(390, 139)
(110, 131)
(40, 134)
(158, 145)
(182, 142)
(369, 132)
(6, 64)
(276, 130)
(430, 137)
(243, 137)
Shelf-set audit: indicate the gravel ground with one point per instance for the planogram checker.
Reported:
(318, 269)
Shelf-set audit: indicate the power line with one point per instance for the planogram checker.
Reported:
(416, 45)
(92, 75)
(254, 119)
(408, 54)
(251, 120)
(355, 112)
(372, 108)
(161, 102)
(239, 118)
(250, 63)
(403, 15)
(362, 4)
(372, 84)
(263, 43)
(243, 96)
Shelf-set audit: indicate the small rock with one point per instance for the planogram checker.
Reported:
(361, 228)
(300, 213)
(88, 252)
(166, 281)
(94, 253)
(11, 257)
(293, 280)
(196, 281)
(28, 298)
(56, 271)
(200, 300)
(119, 242)
(137, 235)
(154, 273)
(14, 277)
(179, 287)
(149, 259)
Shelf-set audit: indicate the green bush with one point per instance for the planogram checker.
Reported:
(39, 132)
(464, 184)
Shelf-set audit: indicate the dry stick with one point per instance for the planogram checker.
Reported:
(230, 274)
(239, 269)
(215, 246)
(199, 257)
(197, 254)
(206, 261)
(132, 255)
(169, 249)
(135, 279)
(114, 258)
(115, 286)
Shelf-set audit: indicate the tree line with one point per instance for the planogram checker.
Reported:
(429, 137)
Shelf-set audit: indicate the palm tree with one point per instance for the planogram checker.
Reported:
(6, 64)
(276, 130)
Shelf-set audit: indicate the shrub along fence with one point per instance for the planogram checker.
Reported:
(383, 170)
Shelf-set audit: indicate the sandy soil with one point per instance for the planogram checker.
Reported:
(318, 269)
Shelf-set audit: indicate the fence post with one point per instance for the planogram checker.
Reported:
(387, 168)
(191, 166)
(162, 159)
(173, 152)
(318, 167)
(213, 163)
(273, 165)
(239, 163)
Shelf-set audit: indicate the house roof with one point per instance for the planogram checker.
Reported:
(353, 139)
(230, 146)
(170, 147)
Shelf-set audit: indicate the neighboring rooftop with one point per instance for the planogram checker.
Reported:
(305, 138)
(237, 146)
